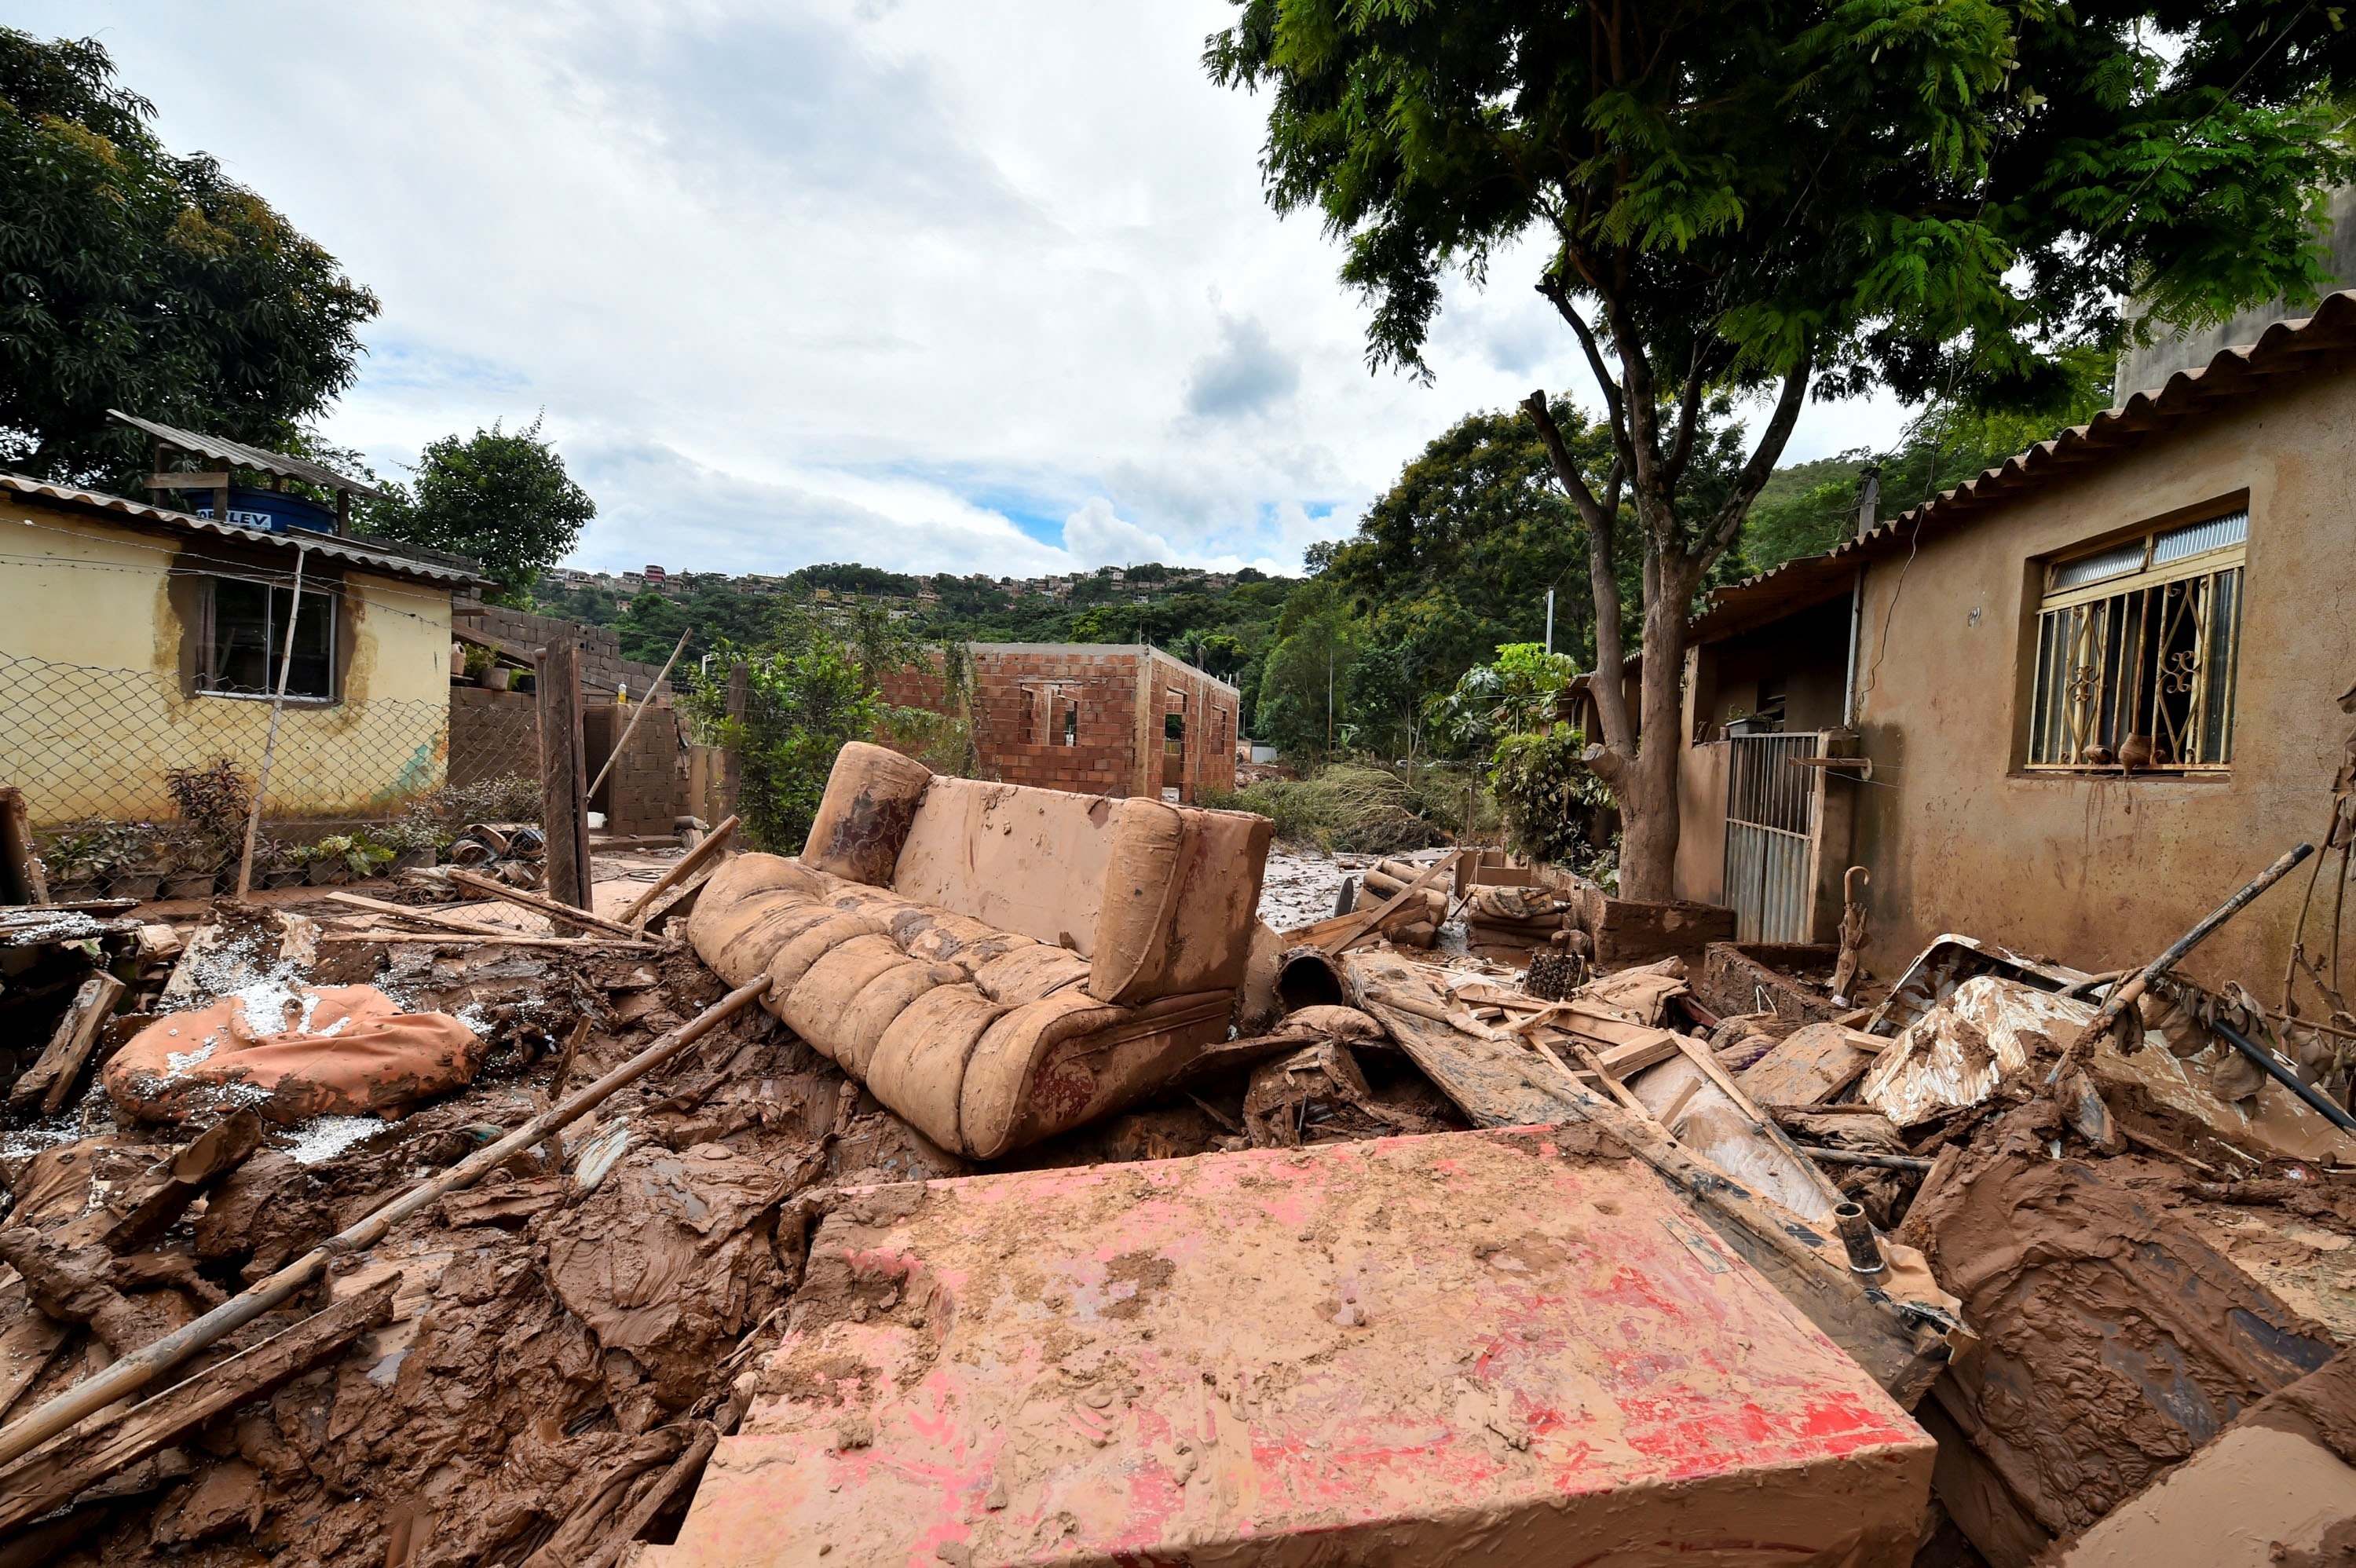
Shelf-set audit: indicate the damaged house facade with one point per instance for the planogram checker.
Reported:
(2059, 703)
(138, 638)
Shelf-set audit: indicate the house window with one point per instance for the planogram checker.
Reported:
(2137, 648)
(244, 639)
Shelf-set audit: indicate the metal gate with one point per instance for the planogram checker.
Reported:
(1770, 830)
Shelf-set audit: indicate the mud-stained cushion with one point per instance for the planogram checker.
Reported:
(919, 1067)
(1022, 860)
(814, 1004)
(871, 799)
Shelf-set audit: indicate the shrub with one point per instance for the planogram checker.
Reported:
(804, 701)
(1357, 809)
(1545, 794)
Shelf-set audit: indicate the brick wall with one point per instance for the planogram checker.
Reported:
(603, 668)
(1028, 696)
(492, 733)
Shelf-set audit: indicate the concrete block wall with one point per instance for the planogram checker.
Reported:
(492, 733)
(647, 790)
(603, 668)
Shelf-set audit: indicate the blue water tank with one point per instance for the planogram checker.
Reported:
(268, 510)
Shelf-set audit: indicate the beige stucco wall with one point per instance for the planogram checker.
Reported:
(97, 709)
(2104, 873)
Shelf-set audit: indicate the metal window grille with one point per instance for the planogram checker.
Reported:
(2142, 641)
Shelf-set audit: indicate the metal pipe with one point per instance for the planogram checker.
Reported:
(1857, 1157)
(141, 1366)
(1857, 1234)
(2316, 1100)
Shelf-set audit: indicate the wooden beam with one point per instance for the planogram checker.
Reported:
(21, 881)
(57, 1476)
(1367, 920)
(51, 1079)
(521, 657)
(685, 867)
(563, 774)
(437, 917)
(186, 481)
(578, 916)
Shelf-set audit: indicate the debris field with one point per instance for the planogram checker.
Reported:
(1424, 1208)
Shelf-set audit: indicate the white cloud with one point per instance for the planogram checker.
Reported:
(917, 283)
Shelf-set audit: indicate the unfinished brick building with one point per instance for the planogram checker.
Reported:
(1100, 719)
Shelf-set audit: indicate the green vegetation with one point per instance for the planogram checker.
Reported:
(1359, 809)
(136, 278)
(1945, 198)
(498, 496)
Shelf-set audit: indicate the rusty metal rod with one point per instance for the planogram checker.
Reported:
(2316, 1100)
(141, 1366)
(2122, 997)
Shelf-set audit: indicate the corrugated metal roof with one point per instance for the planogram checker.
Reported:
(238, 454)
(452, 571)
(2284, 348)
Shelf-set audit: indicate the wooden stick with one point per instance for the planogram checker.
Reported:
(486, 939)
(686, 866)
(632, 727)
(548, 907)
(682, 1470)
(1368, 920)
(277, 705)
(2121, 997)
(134, 1372)
(423, 916)
(563, 773)
(1853, 1157)
(34, 1488)
(51, 1078)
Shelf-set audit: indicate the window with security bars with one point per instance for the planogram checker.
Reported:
(2137, 647)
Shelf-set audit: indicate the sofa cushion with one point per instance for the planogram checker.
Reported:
(1023, 859)
(862, 820)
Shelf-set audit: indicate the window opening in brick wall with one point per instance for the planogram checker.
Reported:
(1071, 723)
(243, 639)
(2138, 651)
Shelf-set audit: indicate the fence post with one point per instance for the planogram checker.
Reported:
(563, 773)
(277, 704)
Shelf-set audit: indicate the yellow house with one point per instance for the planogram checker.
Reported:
(135, 639)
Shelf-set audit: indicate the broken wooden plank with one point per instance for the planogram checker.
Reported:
(21, 881)
(1365, 920)
(563, 774)
(220, 1150)
(548, 907)
(51, 1079)
(1902, 1345)
(569, 944)
(25, 1346)
(443, 917)
(1813, 1063)
(48, 1480)
(641, 909)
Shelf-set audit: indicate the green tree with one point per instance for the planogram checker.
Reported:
(1758, 200)
(805, 697)
(500, 496)
(137, 279)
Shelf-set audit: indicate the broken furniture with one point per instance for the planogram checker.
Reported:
(995, 963)
(1516, 1344)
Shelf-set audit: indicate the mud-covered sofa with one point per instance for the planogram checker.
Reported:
(997, 964)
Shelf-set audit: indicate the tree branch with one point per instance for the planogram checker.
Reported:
(1600, 515)
(1763, 458)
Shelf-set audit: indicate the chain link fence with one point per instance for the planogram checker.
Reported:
(92, 748)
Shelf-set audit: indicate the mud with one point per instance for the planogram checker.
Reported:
(2115, 1339)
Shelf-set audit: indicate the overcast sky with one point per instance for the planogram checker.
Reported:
(934, 286)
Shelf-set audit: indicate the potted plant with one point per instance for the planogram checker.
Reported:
(497, 677)
(185, 866)
(323, 863)
(415, 840)
(478, 662)
(368, 856)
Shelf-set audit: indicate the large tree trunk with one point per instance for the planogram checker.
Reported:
(1648, 791)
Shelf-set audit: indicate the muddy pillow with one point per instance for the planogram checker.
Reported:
(291, 1052)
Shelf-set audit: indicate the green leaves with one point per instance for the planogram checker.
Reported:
(134, 278)
(498, 496)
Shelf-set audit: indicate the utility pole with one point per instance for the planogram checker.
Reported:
(1549, 620)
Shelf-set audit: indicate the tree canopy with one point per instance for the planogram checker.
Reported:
(1758, 200)
(139, 279)
(501, 497)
